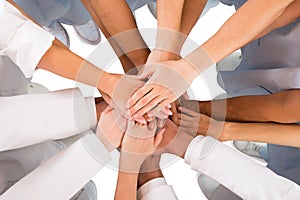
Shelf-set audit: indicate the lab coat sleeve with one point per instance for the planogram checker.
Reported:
(21, 40)
(156, 189)
(244, 176)
(64, 174)
(30, 119)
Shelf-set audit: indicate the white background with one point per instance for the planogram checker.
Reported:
(183, 179)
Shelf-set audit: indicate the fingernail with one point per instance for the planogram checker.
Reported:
(169, 106)
(170, 112)
(179, 108)
(143, 121)
(136, 116)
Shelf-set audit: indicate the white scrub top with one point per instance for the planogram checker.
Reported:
(22, 45)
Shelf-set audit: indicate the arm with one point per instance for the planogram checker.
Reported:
(290, 14)
(77, 159)
(287, 135)
(168, 39)
(122, 34)
(43, 53)
(138, 143)
(175, 20)
(151, 182)
(24, 117)
(215, 159)
(254, 15)
(273, 133)
(281, 107)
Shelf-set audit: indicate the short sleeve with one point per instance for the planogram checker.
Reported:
(22, 41)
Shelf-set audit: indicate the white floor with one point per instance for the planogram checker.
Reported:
(183, 179)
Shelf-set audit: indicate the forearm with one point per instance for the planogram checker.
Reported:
(126, 186)
(123, 33)
(279, 107)
(290, 14)
(191, 12)
(169, 14)
(65, 63)
(272, 133)
(252, 18)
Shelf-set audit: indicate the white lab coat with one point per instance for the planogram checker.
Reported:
(245, 177)
(29, 123)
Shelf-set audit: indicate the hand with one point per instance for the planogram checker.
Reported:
(204, 125)
(123, 87)
(167, 83)
(111, 128)
(138, 143)
(175, 141)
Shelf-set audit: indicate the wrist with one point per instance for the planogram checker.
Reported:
(108, 145)
(148, 176)
(187, 70)
(107, 83)
(205, 107)
(231, 132)
(169, 40)
(131, 162)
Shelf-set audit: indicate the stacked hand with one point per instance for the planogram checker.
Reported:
(111, 128)
(194, 123)
(167, 82)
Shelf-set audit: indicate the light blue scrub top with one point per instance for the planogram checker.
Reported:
(45, 12)
(279, 49)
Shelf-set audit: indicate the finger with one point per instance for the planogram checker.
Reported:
(151, 125)
(186, 96)
(174, 111)
(143, 76)
(160, 115)
(144, 101)
(184, 117)
(141, 120)
(141, 92)
(149, 117)
(161, 123)
(164, 103)
(159, 137)
(107, 109)
(155, 112)
(152, 104)
(184, 124)
(187, 111)
(167, 110)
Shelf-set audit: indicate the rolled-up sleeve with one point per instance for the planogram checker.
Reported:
(30, 119)
(237, 172)
(156, 189)
(64, 174)
(21, 40)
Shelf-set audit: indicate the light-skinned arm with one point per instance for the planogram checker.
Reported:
(248, 22)
(138, 143)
